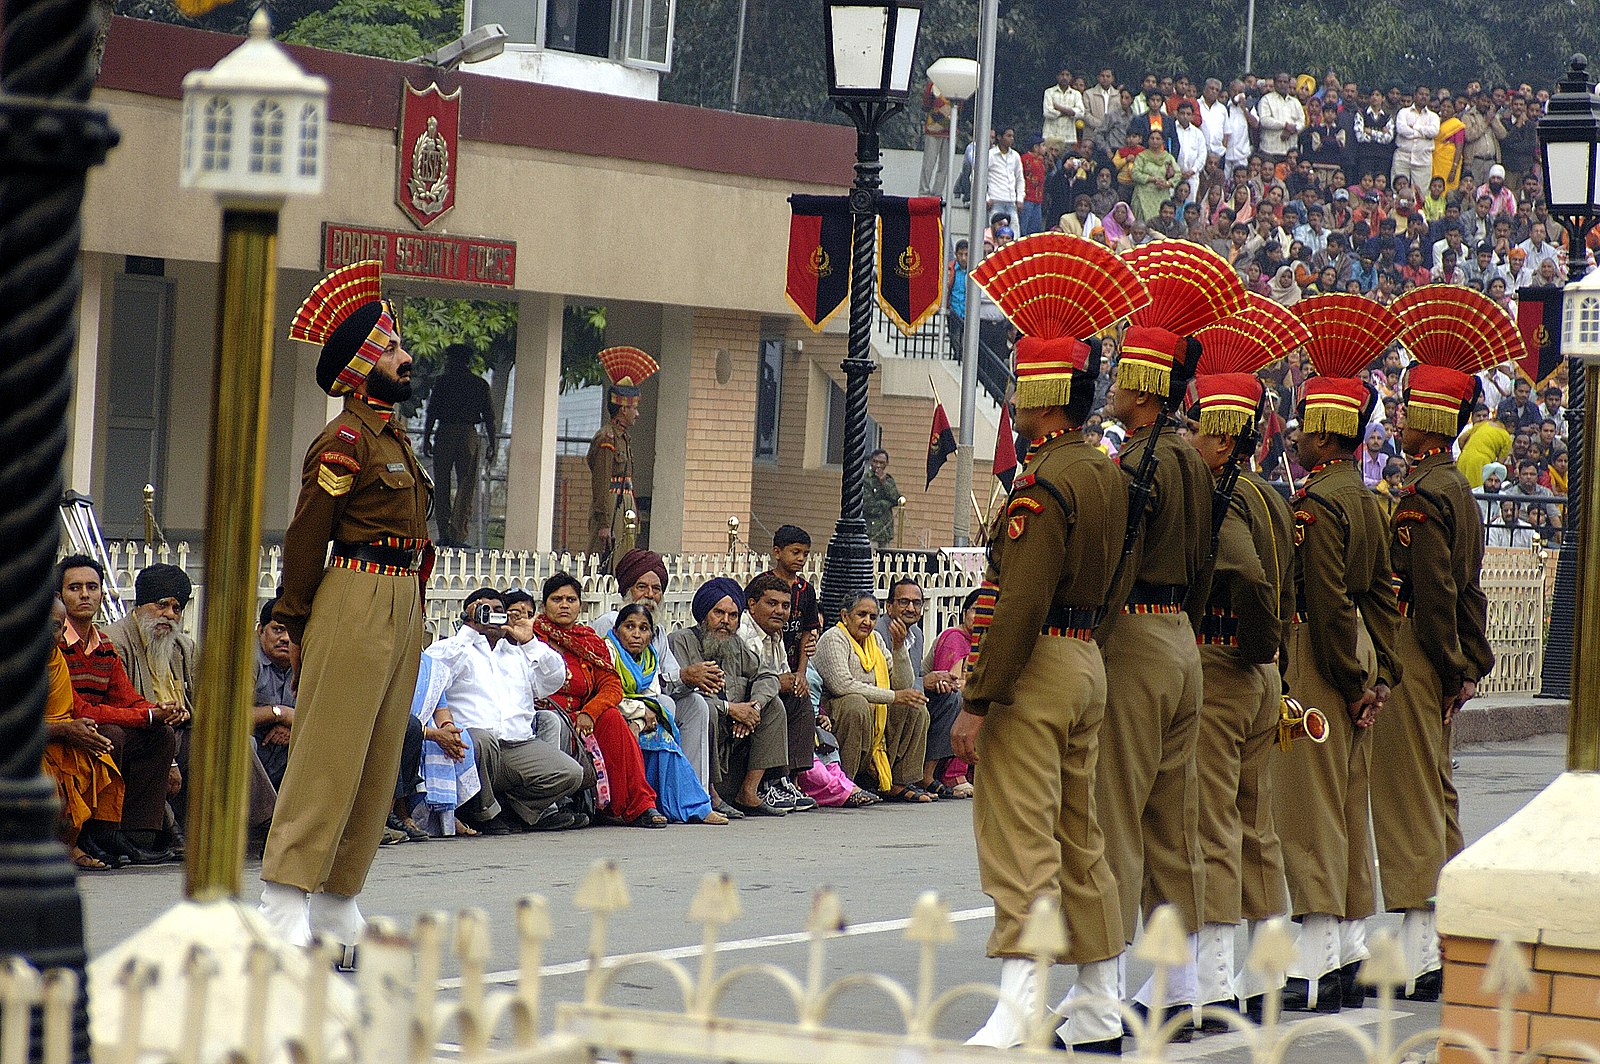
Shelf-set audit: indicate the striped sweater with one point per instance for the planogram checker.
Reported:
(107, 695)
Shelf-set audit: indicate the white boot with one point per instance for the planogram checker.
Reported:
(1008, 1023)
(1214, 983)
(1353, 942)
(1182, 983)
(1419, 944)
(336, 917)
(1093, 1005)
(284, 908)
(1253, 984)
(1319, 951)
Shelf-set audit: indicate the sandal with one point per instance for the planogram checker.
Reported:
(650, 818)
(909, 793)
(860, 799)
(465, 830)
(87, 863)
(712, 817)
(937, 790)
(961, 790)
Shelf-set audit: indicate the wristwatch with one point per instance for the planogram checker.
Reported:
(277, 712)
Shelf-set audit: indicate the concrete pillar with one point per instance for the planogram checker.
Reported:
(531, 459)
(79, 462)
(672, 429)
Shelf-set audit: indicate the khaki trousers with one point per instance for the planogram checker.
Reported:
(1034, 811)
(1408, 798)
(1321, 795)
(358, 671)
(1234, 754)
(905, 738)
(1148, 787)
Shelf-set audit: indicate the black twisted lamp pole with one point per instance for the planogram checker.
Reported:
(847, 570)
(49, 138)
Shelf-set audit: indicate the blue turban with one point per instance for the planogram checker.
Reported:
(714, 591)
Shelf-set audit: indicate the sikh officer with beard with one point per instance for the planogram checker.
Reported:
(355, 618)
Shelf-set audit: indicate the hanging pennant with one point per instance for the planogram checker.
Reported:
(910, 259)
(1539, 322)
(818, 281)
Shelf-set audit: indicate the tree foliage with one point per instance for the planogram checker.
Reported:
(583, 337)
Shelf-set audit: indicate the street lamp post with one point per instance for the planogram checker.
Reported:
(49, 138)
(1569, 141)
(871, 47)
(955, 79)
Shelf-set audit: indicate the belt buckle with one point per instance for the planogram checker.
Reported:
(416, 558)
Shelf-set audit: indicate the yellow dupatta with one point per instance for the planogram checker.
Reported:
(872, 661)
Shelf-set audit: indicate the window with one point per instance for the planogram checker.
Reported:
(834, 452)
(218, 143)
(769, 399)
(266, 137)
(309, 122)
(649, 38)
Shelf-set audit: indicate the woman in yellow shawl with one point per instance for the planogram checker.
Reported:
(78, 758)
(878, 715)
(1485, 441)
(1449, 146)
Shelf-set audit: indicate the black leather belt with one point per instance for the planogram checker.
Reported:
(1157, 594)
(1219, 626)
(373, 554)
(1074, 617)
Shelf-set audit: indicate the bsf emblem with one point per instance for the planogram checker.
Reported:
(427, 153)
(1299, 534)
(909, 264)
(1015, 526)
(1403, 534)
(818, 264)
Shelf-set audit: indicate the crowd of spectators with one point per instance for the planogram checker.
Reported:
(531, 717)
(1309, 186)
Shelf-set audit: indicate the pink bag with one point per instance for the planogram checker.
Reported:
(827, 783)
(602, 784)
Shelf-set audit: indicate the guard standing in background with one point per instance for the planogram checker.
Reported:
(613, 511)
(458, 403)
(355, 619)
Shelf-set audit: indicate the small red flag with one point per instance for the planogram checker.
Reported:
(1005, 448)
(1539, 322)
(941, 443)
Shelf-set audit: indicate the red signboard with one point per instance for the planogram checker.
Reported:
(465, 259)
(427, 155)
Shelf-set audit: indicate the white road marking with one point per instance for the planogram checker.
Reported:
(1211, 1044)
(875, 927)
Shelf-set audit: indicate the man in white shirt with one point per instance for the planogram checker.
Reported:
(1281, 118)
(1214, 118)
(1538, 248)
(1189, 145)
(1063, 107)
(1313, 234)
(1499, 384)
(496, 673)
(1004, 191)
(1414, 130)
(1235, 129)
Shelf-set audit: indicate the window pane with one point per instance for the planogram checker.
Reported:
(769, 398)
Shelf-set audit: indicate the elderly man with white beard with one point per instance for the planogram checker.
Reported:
(162, 662)
(752, 727)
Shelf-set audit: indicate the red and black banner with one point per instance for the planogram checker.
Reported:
(941, 442)
(819, 257)
(1005, 449)
(1539, 322)
(910, 259)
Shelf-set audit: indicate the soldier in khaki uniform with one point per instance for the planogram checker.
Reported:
(1342, 658)
(613, 512)
(1241, 632)
(1437, 551)
(355, 620)
(1035, 694)
(1148, 789)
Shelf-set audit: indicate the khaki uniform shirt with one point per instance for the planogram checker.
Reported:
(1253, 577)
(1342, 566)
(1057, 546)
(361, 483)
(1438, 556)
(1175, 544)
(610, 480)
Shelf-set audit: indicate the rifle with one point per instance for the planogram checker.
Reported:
(1222, 495)
(1140, 493)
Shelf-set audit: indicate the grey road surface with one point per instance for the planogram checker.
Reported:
(879, 859)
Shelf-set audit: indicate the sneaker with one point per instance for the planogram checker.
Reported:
(802, 800)
(408, 827)
(391, 837)
(777, 797)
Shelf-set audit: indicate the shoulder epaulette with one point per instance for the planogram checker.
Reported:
(348, 433)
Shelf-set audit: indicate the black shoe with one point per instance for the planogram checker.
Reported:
(118, 842)
(1255, 1009)
(408, 827)
(105, 857)
(1185, 1031)
(497, 826)
(1429, 986)
(172, 838)
(761, 808)
(1212, 1020)
(1330, 995)
(554, 818)
(719, 806)
(1352, 991)
(1108, 1047)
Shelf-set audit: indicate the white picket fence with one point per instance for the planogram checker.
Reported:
(402, 1011)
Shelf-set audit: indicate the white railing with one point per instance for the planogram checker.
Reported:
(1513, 580)
(401, 1011)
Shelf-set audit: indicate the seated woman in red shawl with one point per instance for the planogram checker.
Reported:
(589, 699)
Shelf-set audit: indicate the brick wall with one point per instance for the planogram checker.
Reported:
(1562, 1004)
(800, 489)
(722, 428)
